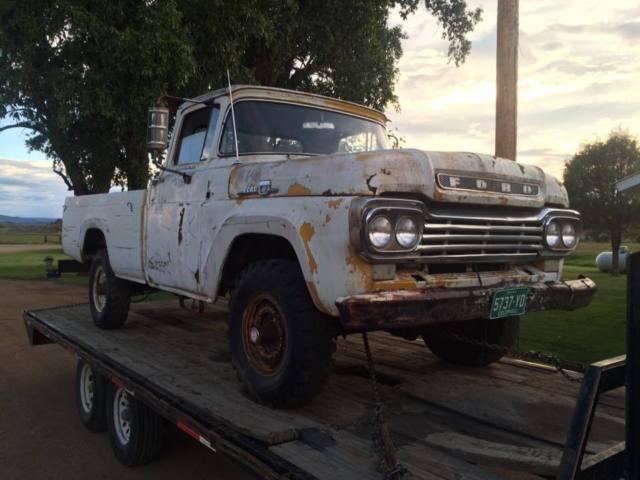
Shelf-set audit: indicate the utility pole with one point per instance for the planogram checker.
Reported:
(507, 80)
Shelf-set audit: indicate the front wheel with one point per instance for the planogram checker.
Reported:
(109, 296)
(281, 346)
(477, 342)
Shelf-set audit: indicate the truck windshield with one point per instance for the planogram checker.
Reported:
(268, 127)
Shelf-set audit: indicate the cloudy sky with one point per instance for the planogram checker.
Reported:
(579, 70)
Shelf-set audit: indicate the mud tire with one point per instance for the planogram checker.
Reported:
(113, 311)
(309, 336)
(502, 332)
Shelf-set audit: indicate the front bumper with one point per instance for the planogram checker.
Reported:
(426, 306)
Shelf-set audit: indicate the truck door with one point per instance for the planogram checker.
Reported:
(172, 242)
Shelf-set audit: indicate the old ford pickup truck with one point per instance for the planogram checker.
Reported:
(294, 206)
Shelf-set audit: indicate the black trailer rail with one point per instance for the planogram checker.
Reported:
(447, 422)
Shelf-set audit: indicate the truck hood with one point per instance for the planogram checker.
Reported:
(455, 177)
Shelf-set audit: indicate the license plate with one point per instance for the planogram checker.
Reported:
(509, 301)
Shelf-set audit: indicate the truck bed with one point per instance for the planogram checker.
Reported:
(508, 420)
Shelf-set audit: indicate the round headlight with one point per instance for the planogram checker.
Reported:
(406, 232)
(380, 231)
(569, 236)
(552, 234)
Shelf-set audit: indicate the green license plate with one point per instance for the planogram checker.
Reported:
(508, 302)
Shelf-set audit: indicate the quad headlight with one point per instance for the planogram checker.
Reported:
(380, 231)
(393, 230)
(561, 233)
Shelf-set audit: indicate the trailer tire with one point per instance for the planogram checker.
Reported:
(91, 397)
(136, 431)
(109, 296)
(281, 345)
(500, 332)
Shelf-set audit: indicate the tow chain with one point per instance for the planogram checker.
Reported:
(538, 357)
(382, 441)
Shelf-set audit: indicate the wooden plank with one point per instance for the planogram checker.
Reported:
(431, 405)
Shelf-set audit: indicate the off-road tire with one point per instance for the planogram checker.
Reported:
(309, 339)
(113, 314)
(91, 397)
(500, 332)
(146, 434)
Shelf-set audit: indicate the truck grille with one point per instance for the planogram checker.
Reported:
(473, 236)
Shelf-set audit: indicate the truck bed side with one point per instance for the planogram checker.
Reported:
(118, 217)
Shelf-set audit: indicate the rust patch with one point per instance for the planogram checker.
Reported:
(397, 284)
(307, 232)
(298, 190)
(313, 292)
(335, 203)
(327, 219)
(180, 226)
(357, 265)
(371, 187)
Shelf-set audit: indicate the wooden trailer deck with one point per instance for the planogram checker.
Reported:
(508, 420)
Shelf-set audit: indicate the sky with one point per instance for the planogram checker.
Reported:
(579, 73)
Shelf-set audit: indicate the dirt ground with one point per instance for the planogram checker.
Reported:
(8, 248)
(41, 436)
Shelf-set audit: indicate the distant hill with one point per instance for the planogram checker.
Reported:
(26, 220)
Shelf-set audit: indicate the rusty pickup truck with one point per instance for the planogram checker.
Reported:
(295, 208)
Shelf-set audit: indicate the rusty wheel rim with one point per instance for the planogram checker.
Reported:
(264, 334)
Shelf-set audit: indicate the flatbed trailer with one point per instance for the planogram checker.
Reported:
(513, 419)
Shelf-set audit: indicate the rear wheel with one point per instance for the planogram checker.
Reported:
(281, 346)
(91, 397)
(475, 342)
(136, 431)
(109, 296)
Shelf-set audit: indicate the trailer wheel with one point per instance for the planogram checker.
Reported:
(136, 431)
(109, 296)
(91, 397)
(502, 333)
(281, 346)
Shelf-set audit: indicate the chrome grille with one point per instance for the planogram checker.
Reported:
(474, 236)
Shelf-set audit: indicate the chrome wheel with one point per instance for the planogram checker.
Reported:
(264, 334)
(87, 386)
(122, 416)
(99, 289)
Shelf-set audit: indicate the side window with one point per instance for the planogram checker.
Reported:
(196, 135)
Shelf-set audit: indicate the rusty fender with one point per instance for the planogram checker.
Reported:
(426, 306)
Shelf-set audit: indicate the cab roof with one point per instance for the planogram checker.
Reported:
(243, 92)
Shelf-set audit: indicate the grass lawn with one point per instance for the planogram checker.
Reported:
(30, 266)
(589, 334)
(29, 234)
(582, 336)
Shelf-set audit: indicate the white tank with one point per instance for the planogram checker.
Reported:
(605, 259)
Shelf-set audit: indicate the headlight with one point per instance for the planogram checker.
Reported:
(379, 231)
(569, 236)
(406, 232)
(552, 234)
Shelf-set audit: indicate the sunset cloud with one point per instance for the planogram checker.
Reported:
(579, 65)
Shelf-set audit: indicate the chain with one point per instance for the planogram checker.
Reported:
(382, 441)
(539, 357)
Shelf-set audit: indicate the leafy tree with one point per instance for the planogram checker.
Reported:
(590, 178)
(80, 74)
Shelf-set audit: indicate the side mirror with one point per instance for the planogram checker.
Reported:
(157, 128)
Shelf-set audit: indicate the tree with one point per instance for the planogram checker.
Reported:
(590, 178)
(80, 74)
